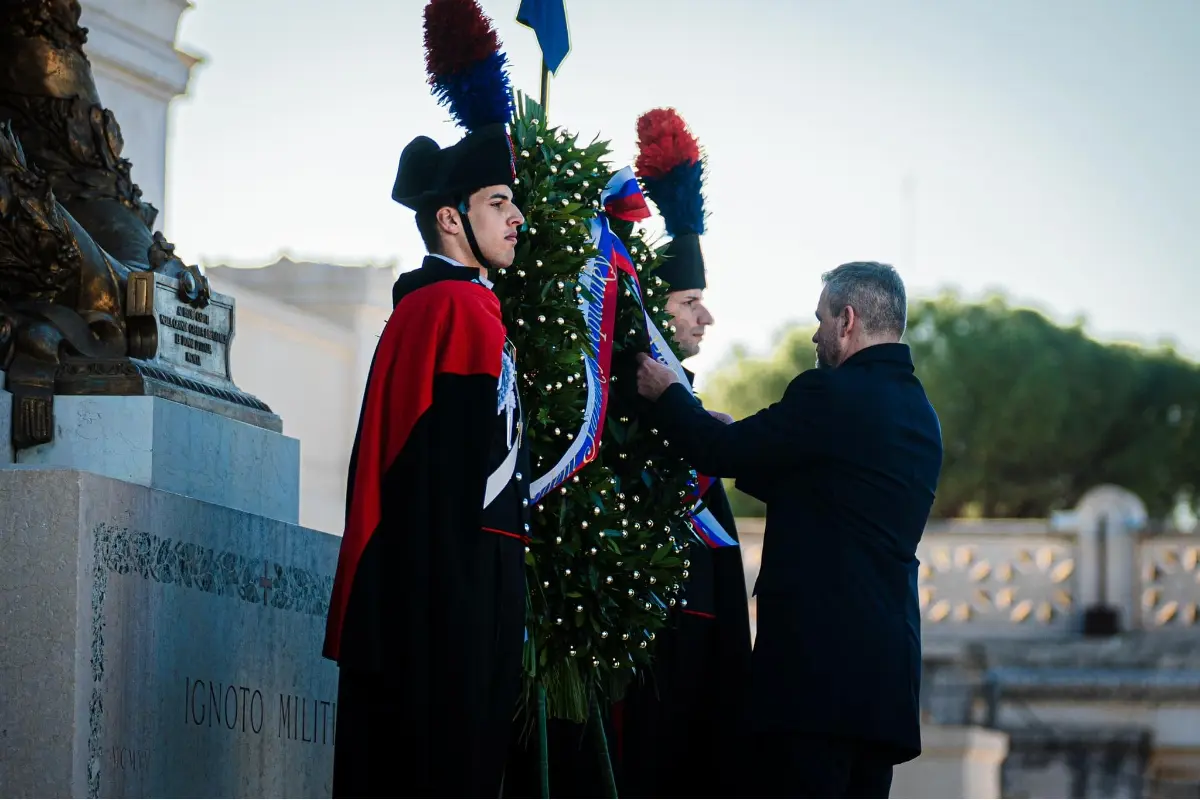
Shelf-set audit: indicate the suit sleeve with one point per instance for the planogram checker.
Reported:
(780, 436)
(756, 484)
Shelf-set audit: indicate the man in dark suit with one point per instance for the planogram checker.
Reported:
(848, 463)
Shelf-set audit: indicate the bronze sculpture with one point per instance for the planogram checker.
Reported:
(91, 300)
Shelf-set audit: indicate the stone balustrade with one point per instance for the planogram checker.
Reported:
(996, 578)
(985, 579)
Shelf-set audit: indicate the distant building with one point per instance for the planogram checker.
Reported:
(138, 72)
(304, 338)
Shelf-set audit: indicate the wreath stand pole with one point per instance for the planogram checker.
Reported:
(543, 742)
(601, 742)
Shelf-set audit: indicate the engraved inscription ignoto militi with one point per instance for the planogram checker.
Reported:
(253, 711)
(225, 573)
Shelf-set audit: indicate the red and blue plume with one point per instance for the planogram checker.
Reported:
(671, 168)
(467, 69)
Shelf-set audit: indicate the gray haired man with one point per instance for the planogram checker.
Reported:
(847, 463)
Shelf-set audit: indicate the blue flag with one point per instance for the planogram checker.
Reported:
(548, 18)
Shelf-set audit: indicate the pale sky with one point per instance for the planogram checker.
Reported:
(1054, 147)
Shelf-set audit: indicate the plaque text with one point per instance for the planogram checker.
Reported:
(128, 759)
(247, 710)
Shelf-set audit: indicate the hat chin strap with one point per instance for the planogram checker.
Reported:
(471, 240)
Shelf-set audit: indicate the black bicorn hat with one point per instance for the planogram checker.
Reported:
(671, 165)
(430, 176)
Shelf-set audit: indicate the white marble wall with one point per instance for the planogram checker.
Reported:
(156, 646)
(160, 444)
(1169, 582)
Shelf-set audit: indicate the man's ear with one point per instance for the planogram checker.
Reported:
(849, 319)
(448, 220)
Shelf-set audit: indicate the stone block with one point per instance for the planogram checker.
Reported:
(955, 761)
(158, 646)
(160, 444)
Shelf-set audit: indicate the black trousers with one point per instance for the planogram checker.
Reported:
(792, 765)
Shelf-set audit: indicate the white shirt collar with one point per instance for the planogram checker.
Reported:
(484, 281)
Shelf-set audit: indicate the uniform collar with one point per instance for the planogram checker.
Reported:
(478, 278)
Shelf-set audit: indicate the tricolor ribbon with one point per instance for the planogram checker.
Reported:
(703, 523)
(708, 530)
(621, 199)
(600, 315)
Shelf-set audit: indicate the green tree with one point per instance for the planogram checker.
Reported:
(1033, 413)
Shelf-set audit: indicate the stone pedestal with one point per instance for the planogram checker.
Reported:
(160, 444)
(161, 613)
(158, 646)
(954, 762)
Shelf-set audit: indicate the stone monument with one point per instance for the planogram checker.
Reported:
(161, 612)
(92, 302)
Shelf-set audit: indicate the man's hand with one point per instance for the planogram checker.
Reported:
(717, 415)
(653, 378)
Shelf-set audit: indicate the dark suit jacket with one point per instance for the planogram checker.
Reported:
(848, 463)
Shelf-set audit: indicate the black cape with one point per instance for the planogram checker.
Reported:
(427, 615)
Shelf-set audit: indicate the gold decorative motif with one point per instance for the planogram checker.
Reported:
(979, 571)
(1170, 583)
(940, 610)
(1021, 612)
(996, 582)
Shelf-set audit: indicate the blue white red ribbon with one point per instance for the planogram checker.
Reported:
(701, 520)
(621, 199)
(708, 530)
(600, 314)
(621, 195)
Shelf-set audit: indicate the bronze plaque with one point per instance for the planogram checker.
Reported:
(189, 338)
